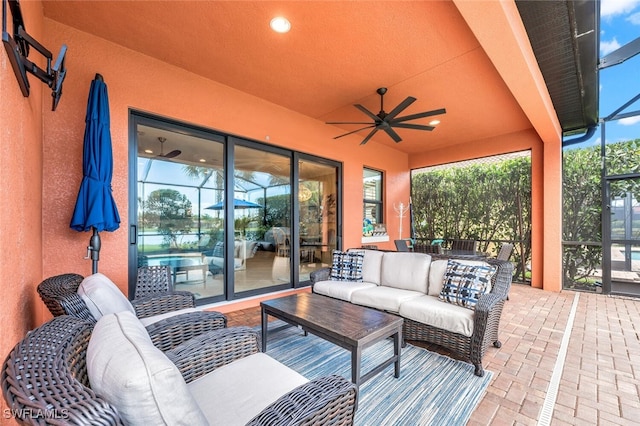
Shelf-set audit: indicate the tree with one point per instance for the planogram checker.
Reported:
(170, 212)
(278, 210)
(488, 202)
(582, 203)
(582, 214)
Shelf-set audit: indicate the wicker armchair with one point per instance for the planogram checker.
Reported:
(44, 379)
(153, 281)
(60, 294)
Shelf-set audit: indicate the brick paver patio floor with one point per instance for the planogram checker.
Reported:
(600, 380)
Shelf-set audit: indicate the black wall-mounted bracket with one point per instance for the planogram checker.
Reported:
(18, 48)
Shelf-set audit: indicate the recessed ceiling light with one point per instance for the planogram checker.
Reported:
(280, 24)
(202, 160)
(434, 122)
(148, 151)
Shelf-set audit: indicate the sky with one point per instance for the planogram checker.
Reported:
(619, 25)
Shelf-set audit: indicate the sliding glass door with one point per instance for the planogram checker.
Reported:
(318, 214)
(180, 180)
(222, 211)
(262, 219)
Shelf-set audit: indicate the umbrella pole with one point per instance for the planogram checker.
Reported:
(94, 249)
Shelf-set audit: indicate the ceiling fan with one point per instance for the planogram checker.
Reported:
(386, 121)
(171, 154)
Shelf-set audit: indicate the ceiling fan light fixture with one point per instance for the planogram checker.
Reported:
(280, 24)
(148, 151)
(304, 193)
(388, 121)
(434, 122)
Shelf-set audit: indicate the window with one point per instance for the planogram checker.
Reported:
(372, 195)
(269, 237)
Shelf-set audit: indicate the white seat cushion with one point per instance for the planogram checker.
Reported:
(432, 311)
(384, 298)
(150, 320)
(340, 289)
(408, 271)
(136, 377)
(237, 392)
(102, 296)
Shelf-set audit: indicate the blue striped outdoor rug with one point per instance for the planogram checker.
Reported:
(432, 389)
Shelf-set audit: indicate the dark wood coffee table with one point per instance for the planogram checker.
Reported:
(347, 325)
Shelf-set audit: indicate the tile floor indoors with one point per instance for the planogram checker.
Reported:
(600, 373)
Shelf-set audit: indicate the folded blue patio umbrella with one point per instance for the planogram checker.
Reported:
(95, 208)
(237, 204)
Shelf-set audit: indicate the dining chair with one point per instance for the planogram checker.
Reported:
(427, 248)
(283, 249)
(505, 251)
(464, 245)
(401, 245)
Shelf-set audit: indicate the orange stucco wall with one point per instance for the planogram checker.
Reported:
(20, 196)
(500, 31)
(139, 82)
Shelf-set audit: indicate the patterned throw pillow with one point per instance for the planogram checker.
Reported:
(464, 284)
(347, 266)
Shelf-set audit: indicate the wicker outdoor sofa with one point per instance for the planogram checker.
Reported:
(410, 285)
(45, 380)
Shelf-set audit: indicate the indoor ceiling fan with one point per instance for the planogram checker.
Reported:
(386, 121)
(171, 154)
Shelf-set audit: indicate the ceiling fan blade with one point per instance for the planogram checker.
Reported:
(354, 131)
(419, 115)
(413, 126)
(349, 122)
(401, 107)
(373, 132)
(172, 154)
(369, 113)
(396, 137)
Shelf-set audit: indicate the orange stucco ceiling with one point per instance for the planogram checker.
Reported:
(336, 54)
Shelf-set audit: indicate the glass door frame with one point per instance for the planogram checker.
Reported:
(609, 286)
(232, 142)
(137, 118)
(298, 158)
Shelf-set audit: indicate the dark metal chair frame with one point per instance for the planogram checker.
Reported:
(44, 378)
